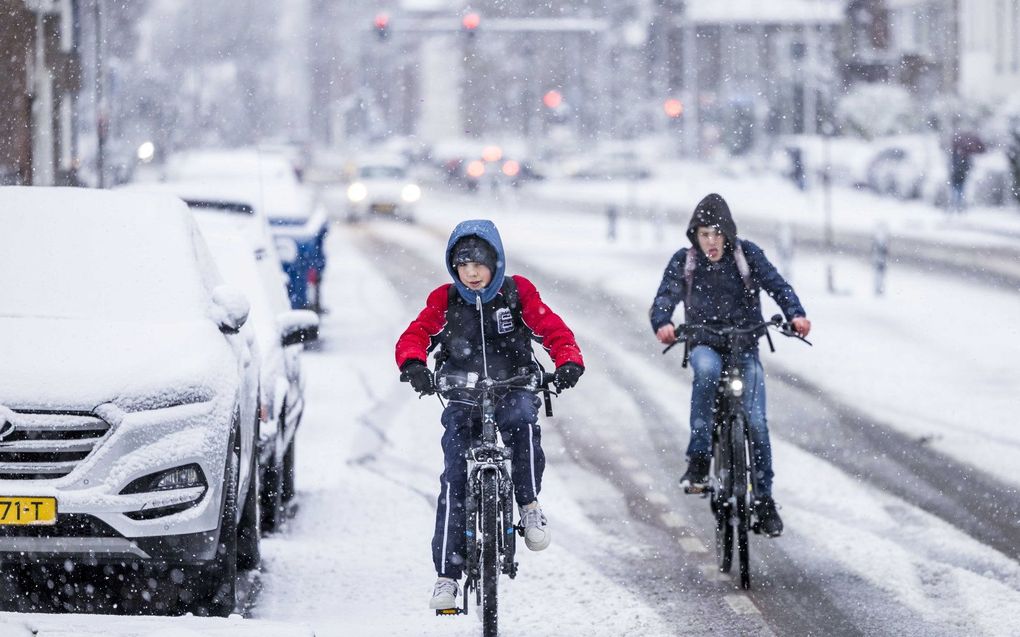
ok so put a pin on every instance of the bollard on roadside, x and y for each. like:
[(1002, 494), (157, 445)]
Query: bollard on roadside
[(612, 214), (880, 257)]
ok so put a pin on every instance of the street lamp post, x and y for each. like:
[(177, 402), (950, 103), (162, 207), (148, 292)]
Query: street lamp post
[(102, 125), (827, 131)]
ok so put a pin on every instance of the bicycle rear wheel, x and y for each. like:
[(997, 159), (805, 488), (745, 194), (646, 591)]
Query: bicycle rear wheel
[(741, 493), (723, 537), (489, 511)]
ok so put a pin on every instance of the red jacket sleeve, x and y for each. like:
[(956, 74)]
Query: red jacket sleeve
[(557, 339), (414, 342)]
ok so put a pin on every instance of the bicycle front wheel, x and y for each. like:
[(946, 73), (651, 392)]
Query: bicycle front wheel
[(489, 513), (742, 496)]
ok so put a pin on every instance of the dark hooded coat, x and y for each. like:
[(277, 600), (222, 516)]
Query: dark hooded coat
[(454, 322), (726, 292)]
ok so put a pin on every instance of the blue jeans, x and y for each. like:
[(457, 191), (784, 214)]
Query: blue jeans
[(707, 365), (517, 421)]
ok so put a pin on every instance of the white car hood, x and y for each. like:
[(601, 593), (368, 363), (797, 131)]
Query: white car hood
[(78, 364)]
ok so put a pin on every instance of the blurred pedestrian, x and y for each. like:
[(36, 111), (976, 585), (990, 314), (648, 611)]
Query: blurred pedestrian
[(962, 150)]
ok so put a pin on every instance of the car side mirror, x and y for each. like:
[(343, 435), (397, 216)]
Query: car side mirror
[(232, 308), (297, 327)]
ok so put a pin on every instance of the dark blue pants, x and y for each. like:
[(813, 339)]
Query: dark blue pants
[(707, 365), (517, 418)]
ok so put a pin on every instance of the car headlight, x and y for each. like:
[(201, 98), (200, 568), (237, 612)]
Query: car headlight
[(357, 192), (411, 193), (287, 248)]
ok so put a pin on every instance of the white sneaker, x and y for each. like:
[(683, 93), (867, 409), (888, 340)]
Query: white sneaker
[(536, 532), (444, 595)]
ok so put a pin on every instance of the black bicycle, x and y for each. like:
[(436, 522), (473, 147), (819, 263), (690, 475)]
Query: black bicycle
[(489, 504), (733, 482)]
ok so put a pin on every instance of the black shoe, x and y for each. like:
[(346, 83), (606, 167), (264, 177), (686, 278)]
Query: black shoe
[(769, 521), (695, 480)]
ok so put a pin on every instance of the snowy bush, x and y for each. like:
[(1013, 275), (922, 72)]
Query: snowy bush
[(877, 110)]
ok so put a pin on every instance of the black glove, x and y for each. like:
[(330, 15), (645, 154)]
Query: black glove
[(419, 375), (567, 375)]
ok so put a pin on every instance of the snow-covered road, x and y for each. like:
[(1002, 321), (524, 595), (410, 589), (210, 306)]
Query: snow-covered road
[(864, 551), (893, 442)]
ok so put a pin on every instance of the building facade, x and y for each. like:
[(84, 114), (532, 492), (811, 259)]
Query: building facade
[(42, 74)]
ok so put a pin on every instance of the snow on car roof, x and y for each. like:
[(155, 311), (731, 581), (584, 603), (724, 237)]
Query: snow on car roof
[(239, 163), (771, 12), (220, 205), (78, 253)]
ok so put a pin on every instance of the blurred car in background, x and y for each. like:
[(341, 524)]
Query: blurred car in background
[(610, 166), (281, 333), (382, 186), (298, 221), (129, 400), (892, 171)]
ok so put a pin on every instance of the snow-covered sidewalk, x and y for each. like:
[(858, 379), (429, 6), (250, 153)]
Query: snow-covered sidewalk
[(767, 197)]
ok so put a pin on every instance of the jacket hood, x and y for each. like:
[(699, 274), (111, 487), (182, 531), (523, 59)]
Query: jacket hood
[(712, 211), (486, 231)]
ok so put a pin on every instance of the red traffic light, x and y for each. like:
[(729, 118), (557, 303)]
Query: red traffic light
[(552, 99), (382, 23), (471, 21), (673, 107)]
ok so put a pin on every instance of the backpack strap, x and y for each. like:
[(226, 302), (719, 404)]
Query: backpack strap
[(691, 261), (510, 295)]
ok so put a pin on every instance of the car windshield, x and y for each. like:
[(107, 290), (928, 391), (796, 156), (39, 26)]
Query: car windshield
[(382, 172), (109, 267)]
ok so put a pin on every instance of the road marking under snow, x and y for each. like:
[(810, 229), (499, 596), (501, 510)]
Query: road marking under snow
[(656, 498), (692, 545), (712, 574), (627, 462), (742, 604), (643, 478), (672, 520)]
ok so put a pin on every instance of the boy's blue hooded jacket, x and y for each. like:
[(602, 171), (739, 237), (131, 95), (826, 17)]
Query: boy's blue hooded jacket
[(485, 230)]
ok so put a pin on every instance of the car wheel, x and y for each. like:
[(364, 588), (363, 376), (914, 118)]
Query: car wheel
[(219, 596), (272, 490), (289, 472)]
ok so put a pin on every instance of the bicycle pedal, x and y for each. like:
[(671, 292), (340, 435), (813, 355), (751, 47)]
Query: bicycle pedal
[(449, 612)]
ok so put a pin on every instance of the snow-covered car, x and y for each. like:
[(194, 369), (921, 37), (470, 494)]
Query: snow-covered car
[(128, 393), (615, 165), (383, 187), (222, 206), (281, 333), (298, 221)]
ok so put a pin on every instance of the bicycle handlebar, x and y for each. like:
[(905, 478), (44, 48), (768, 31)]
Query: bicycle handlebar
[(534, 382), (784, 327)]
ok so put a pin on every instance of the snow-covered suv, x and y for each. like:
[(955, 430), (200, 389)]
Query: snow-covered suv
[(128, 392)]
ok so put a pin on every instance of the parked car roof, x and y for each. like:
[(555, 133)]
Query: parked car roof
[(122, 255)]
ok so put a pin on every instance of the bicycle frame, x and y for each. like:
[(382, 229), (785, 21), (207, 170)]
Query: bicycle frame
[(487, 468), (734, 480)]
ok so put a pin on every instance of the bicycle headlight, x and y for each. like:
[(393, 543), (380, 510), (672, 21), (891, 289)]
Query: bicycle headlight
[(737, 386)]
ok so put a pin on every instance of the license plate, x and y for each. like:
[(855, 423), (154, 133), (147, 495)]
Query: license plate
[(384, 208), (27, 510)]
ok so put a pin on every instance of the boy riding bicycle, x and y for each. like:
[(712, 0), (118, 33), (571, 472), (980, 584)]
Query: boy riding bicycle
[(483, 323), (719, 280)]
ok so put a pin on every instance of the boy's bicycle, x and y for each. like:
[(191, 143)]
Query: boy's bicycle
[(489, 505), (733, 482)]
